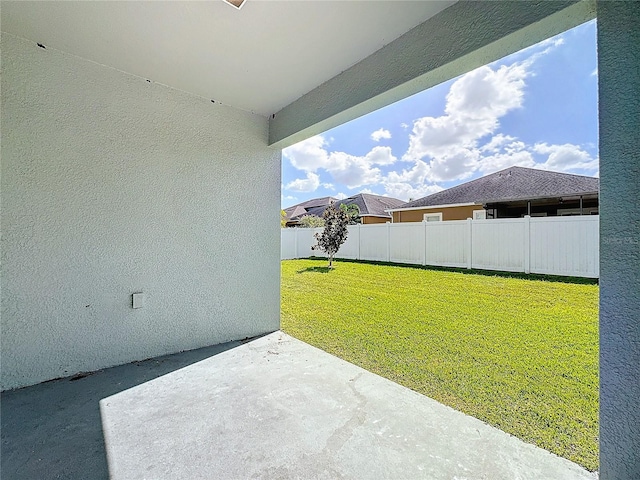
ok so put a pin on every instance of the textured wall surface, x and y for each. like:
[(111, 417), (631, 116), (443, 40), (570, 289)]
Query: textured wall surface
[(113, 185), (619, 114)]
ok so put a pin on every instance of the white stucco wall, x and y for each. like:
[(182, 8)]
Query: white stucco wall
[(113, 185)]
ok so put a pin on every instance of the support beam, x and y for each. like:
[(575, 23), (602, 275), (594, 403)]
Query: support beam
[(619, 111), (462, 37)]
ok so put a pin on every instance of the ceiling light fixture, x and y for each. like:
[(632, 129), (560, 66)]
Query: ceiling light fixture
[(235, 3)]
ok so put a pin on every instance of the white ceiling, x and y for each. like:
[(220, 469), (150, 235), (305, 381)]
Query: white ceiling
[(259, 58)]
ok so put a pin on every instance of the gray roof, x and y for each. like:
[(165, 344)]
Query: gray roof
[(296, 212), (368, 204), (513, 183)]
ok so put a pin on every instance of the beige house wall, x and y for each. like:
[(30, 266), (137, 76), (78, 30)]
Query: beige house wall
[(448, 213), (372, 220)]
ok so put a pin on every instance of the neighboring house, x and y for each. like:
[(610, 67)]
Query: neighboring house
[(373, 208), (510, 193), (310, 207)]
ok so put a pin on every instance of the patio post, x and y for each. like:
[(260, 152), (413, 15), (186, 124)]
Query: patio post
[(619, 110)]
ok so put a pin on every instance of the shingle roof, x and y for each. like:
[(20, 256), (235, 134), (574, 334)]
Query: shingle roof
[(317, 202), (514, 183), (296, 212), (368, 204)]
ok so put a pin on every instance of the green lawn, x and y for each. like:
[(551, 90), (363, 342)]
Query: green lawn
[(518, 353)]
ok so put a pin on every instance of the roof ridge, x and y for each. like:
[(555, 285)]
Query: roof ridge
[(539, 170), (366, 203)]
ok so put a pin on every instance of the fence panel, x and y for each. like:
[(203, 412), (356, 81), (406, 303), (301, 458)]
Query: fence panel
[(498, 244), (446, 243), (288, 243), (406, 243), (374, 242), (305, 241), (351, 248), (565, 246), (555, 245)]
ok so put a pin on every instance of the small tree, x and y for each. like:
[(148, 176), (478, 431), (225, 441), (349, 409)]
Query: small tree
[(353, 213), (311, 221), (334, 233), (283, 219)]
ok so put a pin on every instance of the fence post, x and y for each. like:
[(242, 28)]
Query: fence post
[(527, 244), (469, 243), (359, 236), (388, 242), (424, 249), (295, 243)]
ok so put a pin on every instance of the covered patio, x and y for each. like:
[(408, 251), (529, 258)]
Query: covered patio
[(272, 407), (139, 139)]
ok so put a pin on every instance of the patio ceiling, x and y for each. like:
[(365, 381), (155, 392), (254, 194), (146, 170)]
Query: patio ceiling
[(307, 65), (260, 58)]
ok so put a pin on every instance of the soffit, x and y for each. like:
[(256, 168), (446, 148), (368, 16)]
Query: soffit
[(259, 58)]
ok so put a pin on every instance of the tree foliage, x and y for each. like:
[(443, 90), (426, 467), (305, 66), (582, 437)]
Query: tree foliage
[(283, 219), (334, 233), (353, 213), (311, 221)]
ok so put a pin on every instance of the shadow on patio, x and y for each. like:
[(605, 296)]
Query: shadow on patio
[(53, 429), (274, 407)]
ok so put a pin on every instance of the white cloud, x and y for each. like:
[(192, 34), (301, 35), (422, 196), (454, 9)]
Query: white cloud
[(380, 134), (485, 94), (542, 48), (559, 158), (476, 102), (405, 191), (340, 196), (309, 184), (496, 142), (410, 183), (308, 155), (457, 164), (595, 72), (500, 161), (404, 125), (356, 171), (417, 174), (380, 156), (351, 170), (562, 158)]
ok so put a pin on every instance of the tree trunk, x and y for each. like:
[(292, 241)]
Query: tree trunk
[(330, 261)]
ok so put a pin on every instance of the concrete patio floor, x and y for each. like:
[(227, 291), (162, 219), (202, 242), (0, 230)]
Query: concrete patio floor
[(273, 407)]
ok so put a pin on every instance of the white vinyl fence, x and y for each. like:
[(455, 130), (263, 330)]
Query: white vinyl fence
[(547, 245)]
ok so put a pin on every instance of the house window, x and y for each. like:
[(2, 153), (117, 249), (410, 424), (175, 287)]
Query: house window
[(479, 214), (432, 217)]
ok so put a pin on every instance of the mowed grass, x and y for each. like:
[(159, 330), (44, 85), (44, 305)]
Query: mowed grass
[(518, 353)]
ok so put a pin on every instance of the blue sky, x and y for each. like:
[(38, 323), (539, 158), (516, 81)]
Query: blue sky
[(536, 108)]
